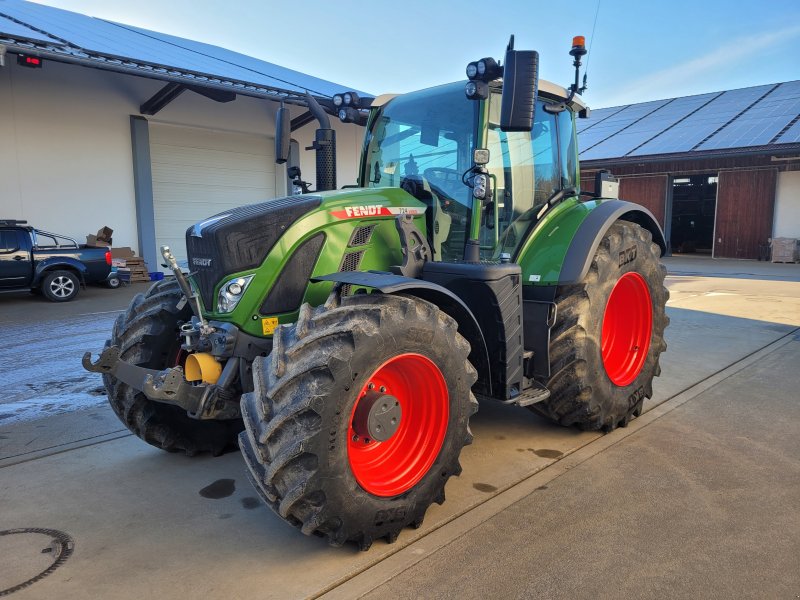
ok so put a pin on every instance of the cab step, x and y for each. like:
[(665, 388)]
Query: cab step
[(536, 393)]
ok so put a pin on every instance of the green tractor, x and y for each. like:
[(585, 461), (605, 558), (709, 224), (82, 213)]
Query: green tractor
[(343, 338)]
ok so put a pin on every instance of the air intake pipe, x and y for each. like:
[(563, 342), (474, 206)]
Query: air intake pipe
[(325, 146)]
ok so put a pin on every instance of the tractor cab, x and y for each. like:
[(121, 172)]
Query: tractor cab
[(424, 142)]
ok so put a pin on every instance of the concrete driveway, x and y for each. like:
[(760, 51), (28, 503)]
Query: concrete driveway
[(146, 522)]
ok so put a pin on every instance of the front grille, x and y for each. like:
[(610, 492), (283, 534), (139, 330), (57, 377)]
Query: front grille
[(239, 239)]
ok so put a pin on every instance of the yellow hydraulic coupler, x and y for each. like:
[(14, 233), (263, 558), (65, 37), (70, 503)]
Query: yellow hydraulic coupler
[(202, 366)]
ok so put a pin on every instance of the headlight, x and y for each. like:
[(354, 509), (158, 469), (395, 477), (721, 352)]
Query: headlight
[(481, 67), (231, 292), (348, 98), (337, 100)]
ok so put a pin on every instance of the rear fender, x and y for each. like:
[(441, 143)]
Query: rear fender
[(559, 252), (560, 248), (388, 283), (55, 264), (594, 227)]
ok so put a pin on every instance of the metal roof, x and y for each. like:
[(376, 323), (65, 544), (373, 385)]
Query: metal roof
[(67, 36), (762, 119)]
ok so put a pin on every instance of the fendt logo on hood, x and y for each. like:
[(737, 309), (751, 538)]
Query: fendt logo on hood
[(201, 262), (375, 210)]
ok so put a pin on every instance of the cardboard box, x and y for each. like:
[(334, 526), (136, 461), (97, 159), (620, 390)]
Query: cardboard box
[(104, 234), (95, 242), (122, 252)]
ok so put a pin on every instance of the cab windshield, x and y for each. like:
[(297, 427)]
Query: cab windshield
[(422, 142)]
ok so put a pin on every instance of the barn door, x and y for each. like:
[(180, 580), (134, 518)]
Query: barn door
[(745, 205)]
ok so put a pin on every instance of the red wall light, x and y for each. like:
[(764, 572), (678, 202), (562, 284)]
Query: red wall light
[(33, 62)]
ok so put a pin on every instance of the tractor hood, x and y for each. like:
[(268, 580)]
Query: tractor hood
[(240, 239)]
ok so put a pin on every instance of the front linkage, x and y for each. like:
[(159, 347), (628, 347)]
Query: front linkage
[(200, 386)]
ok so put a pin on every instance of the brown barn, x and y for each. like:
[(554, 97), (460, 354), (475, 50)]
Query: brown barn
[(721, 171)]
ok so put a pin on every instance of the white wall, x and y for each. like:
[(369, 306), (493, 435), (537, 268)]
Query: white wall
[(787, 205), (65, 144), (66, 150)]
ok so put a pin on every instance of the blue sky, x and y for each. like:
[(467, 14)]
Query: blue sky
[(641, 50)]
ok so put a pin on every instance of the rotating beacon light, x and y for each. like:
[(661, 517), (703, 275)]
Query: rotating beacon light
[(578, 51)]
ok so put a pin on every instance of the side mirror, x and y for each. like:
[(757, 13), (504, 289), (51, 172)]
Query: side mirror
[(283, 132), (520, 85)]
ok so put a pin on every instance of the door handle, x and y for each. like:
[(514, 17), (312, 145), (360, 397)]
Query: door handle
[(19, 258)]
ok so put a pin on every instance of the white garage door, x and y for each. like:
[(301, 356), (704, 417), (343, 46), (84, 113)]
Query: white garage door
[(199, 172), (787, 205)]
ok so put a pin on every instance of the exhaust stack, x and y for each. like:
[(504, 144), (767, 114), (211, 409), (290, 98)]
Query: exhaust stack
[(325, 146)]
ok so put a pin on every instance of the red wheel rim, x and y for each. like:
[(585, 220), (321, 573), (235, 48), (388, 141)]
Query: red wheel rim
[(396, 465), (627, 326)]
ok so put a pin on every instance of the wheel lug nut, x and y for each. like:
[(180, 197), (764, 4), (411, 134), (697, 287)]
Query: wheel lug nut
[(371, 386), (355, 438), (383, 388)]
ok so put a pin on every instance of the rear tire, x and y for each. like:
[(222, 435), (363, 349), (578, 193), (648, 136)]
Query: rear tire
[(60, 286), (300, 442), (601, 377), (147, 336)]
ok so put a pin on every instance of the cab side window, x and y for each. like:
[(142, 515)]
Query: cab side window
[(9, 241), (568, 148), (527, 167)]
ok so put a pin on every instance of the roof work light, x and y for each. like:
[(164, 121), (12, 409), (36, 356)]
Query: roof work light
[(480, 73), (348, 107)]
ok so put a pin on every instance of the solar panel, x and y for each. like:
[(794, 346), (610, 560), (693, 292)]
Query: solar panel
[(16, 31), (648, 127), (791, 135), (141, 45), (698, 126), (762, 122), (597, 116), (252, 69), (614, 123)]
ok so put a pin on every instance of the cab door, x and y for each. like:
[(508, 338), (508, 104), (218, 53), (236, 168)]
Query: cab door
[(16, 269)]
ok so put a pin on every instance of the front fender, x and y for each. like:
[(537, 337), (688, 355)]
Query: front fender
[(53, 264), (468, 327)]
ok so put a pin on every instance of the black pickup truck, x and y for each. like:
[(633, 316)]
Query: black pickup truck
[(31, 259)]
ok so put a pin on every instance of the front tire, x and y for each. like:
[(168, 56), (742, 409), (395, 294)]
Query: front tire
[(307, 440), (609, 334), (147, 336)]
